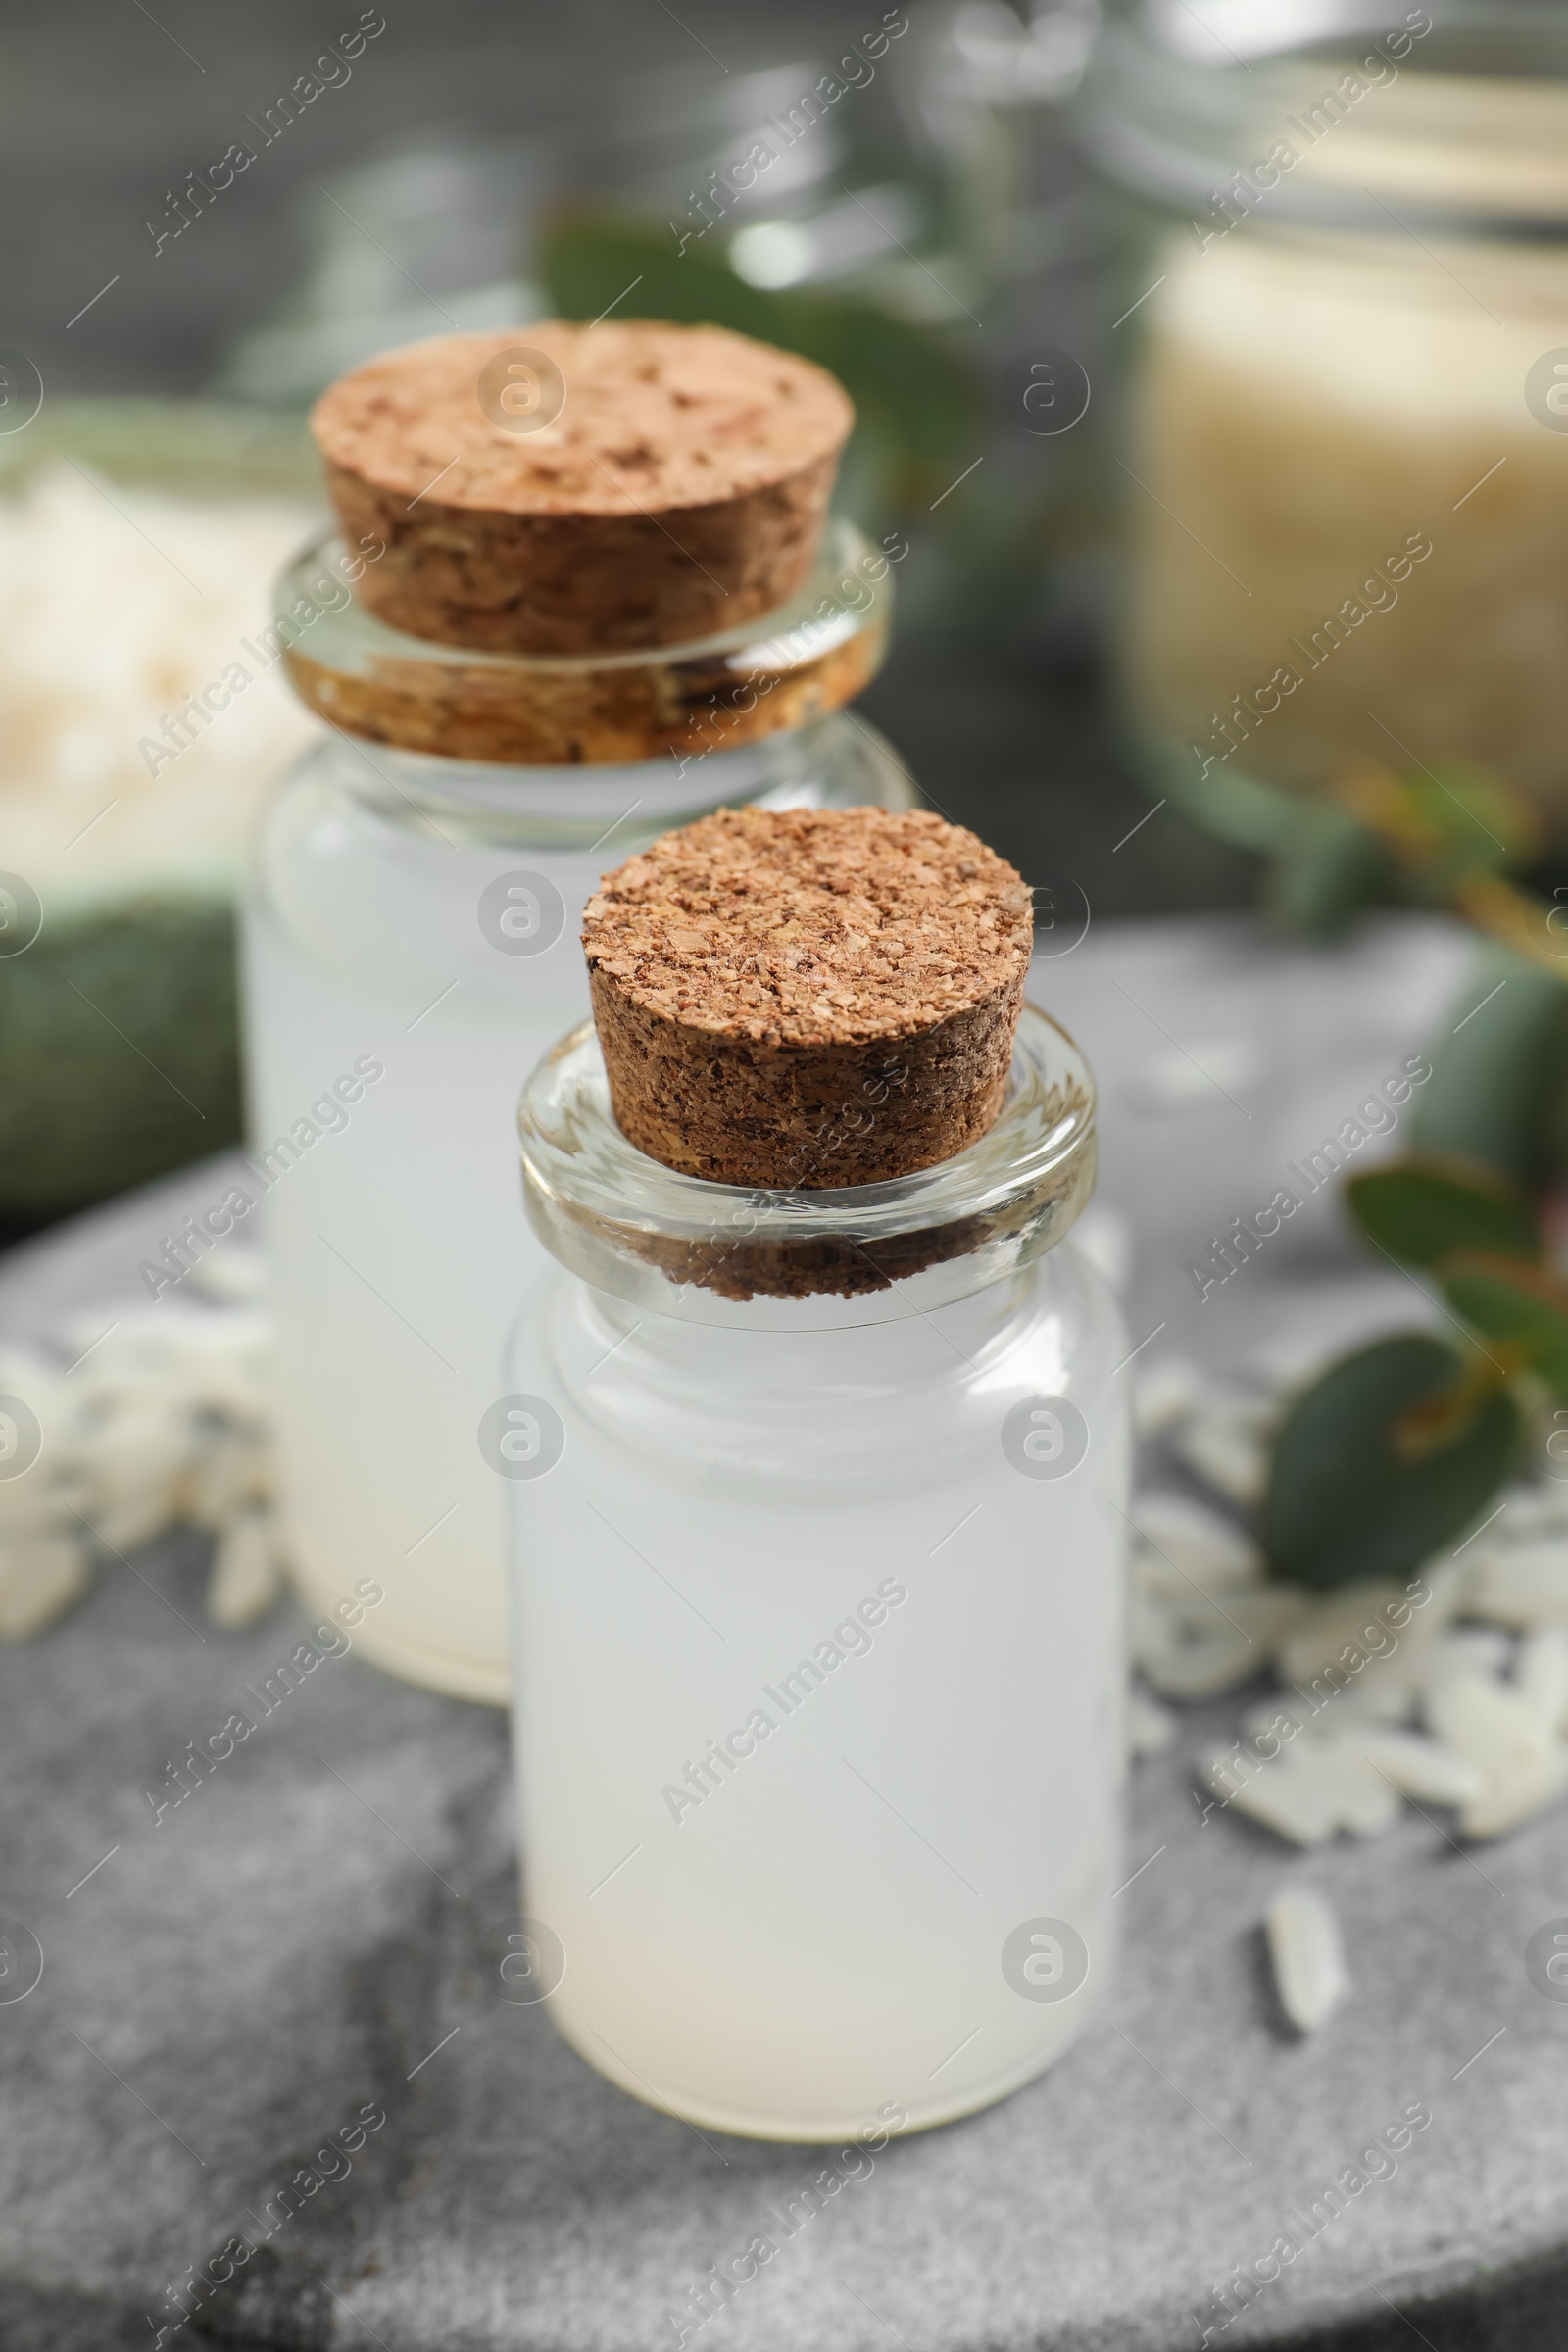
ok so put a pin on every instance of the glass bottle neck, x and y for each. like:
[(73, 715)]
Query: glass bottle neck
[(824, 1259), (575, 809), (756, 1355)]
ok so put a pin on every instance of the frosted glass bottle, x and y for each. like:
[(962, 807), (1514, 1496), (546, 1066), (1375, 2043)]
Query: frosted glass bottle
[(819, 1683), (410, 951)]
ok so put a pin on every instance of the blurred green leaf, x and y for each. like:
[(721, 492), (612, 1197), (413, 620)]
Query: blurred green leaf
[(1499, 1075), (1420, 1209), (1326, 869), (1368, 837), (1475, 825), (1325, 866), (913, 400), (1518, 1307), (1227, 802), (589, 258), (1449, 832), (1390, 1455)]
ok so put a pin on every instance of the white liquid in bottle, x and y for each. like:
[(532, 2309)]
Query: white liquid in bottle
[(380, 931), (820, 1676)]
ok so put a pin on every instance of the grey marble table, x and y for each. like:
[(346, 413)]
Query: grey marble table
[(302, 1944)]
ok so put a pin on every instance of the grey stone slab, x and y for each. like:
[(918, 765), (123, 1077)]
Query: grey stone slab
[(302, 1938)]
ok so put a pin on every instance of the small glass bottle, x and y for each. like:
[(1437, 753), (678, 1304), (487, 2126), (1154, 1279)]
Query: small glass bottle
[(818, 1531), (410, 942)]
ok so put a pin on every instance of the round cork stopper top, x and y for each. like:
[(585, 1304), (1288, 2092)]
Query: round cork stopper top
[(811, 927), (654, 418)]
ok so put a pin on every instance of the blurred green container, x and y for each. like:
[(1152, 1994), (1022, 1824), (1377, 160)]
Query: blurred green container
[(119, 1031)]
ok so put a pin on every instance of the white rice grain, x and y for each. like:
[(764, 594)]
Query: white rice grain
[(40, 1578), (1541, 1673), (1187, 1542), (1308, 1954), (1164, 1397), (245, 1579), (1228, 1447), (1523, 1584)]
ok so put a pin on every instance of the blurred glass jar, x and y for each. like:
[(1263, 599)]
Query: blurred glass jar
[(760, 1443), (1346, 469), (411, 951), (807, 168)]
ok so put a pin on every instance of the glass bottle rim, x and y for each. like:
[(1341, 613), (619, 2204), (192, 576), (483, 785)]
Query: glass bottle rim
[(798, 664), (728, 1254)]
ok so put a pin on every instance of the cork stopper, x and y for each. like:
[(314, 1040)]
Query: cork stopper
[(636, 485), (808, 999)]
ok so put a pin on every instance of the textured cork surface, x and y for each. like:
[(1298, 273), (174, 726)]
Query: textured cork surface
[(802, 999), (677, 490)]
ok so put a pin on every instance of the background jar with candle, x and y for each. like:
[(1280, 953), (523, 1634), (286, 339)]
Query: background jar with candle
[(817, 1516), (1345, 438), (410, 930)]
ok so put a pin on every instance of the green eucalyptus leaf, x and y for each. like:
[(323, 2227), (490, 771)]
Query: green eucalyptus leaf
[(1323, 865), (587, 258), (1226, 800), (1522, 1309), (1390, 1455), (1423, 1207), (901, 378), (1478, 826), (1499, 1075), (1329, 869)]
